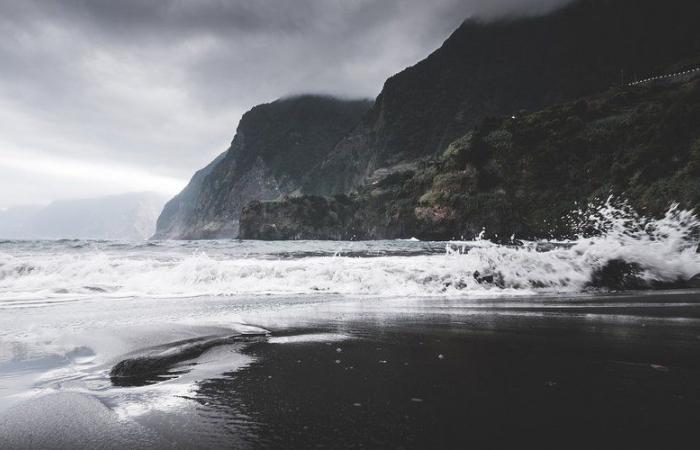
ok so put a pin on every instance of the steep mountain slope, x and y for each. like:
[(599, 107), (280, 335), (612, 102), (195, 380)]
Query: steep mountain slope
[(275, 146), (382, 163), (127, 216), (178, 209), (519, 175), (501, 67)]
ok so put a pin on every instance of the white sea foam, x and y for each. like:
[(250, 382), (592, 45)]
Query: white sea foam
[(663, 249)]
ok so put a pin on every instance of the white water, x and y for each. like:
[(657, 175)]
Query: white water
[(35, 272)]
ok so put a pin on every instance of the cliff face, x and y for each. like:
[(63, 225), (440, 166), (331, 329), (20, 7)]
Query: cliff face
[(275, 145), (518, 175), (429, 160), (174, 219), (499, 68)]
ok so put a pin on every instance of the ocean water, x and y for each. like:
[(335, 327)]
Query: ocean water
[(72, 309), (37, 273)]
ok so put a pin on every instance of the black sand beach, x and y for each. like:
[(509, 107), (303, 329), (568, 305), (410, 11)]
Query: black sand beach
[(549, 380), (615, 372)]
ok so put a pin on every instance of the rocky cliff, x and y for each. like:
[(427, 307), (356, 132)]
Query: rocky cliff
[(276, 144), (449, 145), (518, 174), (175, 218), (501, 67)]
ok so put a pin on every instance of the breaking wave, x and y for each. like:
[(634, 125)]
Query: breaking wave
[(652, 251)]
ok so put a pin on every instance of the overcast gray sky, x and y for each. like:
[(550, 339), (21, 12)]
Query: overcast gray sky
[(102, 96)]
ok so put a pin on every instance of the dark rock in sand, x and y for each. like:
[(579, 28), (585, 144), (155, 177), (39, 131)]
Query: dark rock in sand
[(617, 274), (694, 281), (620, 275), (156, 364), (491, 278)]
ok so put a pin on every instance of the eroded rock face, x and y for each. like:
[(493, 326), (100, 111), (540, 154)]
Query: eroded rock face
[(174, 220), (521, 175), (498, 68), (308, 217), (275, 146)]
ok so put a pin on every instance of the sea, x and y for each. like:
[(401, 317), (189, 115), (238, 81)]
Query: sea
[(72, 310)]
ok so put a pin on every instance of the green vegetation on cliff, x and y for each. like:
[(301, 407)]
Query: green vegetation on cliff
[(522, 174), (496, 68)]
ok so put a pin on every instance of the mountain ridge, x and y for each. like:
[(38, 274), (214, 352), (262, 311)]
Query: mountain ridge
[(518, 175), (502, 66), (274, 146)]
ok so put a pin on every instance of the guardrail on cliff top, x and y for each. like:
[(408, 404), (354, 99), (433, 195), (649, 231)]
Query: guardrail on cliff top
[(669, 78)]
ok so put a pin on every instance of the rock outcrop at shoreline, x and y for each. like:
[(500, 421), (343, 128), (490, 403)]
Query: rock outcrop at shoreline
[(274, 147)]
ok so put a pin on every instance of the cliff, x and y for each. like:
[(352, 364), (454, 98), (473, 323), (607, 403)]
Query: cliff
[(275, 145), (174, 219), (518, 175), (452, 144), (500, 67)]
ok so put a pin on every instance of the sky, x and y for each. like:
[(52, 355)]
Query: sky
[(100, 97)]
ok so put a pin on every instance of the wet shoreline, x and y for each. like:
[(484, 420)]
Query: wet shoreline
[(489, 382), (586, 372)]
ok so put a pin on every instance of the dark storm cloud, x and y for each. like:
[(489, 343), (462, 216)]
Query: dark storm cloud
[(158, 86), (127, 20)]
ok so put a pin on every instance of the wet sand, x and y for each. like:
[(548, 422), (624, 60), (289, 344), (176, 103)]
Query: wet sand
[(622, 372), (488, 382)]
